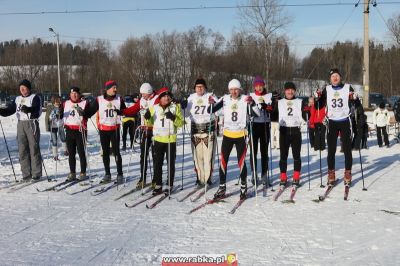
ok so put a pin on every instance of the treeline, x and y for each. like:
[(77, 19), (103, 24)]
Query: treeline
[(176, 59), (348, 56), (172, 59)]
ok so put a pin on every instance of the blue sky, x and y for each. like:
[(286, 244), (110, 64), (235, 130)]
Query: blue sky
[(311, 25)]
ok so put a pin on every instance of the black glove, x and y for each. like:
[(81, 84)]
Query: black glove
[(25, 109), (170, 116), (184, 104), (79, 110), (147, 115), (119, 112)]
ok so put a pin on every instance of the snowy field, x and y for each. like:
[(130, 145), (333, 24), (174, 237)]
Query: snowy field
[(55, 228)]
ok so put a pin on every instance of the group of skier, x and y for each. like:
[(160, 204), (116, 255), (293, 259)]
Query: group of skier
[(247, 121)]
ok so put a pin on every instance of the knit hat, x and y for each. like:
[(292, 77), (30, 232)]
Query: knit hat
[(382, 105), (200, 81), (289, 85), (75, 89), (25, 83), (109, 84), (333, 71), (164, 91), (234, 84), (258, 81), (146, 88)]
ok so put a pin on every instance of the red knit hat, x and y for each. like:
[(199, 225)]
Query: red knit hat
[(164, 91), (109, 84)]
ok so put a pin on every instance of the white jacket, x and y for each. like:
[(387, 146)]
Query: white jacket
[(381, 117)]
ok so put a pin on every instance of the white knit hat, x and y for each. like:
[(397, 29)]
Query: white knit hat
[(146, 88), (234, 84)]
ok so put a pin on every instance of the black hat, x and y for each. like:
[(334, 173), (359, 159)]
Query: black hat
[(25, 83), (75, 89), (200, 81), (289, 85), (333, 71), (382, 105)]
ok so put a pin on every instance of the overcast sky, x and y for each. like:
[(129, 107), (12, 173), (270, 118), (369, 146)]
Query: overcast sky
[(311, 26)]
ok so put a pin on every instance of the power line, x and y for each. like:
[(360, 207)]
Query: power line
[(202, 7)]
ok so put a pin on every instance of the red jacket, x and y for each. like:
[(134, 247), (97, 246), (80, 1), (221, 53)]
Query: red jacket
[(317, 116)]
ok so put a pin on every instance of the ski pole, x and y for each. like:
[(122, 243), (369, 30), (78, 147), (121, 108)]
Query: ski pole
[(308, 153), (183, 148), (169, 159), (144, 157), (209, 140), (270, 156), (319, 148), (8, 151), (252, 155)]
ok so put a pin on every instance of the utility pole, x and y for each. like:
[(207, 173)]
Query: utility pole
[(366, 55)]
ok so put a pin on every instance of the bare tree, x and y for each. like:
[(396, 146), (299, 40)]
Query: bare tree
[(266, 18), (394, 27)]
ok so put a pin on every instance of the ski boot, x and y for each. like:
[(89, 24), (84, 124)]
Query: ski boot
[(153, 185), (140, 184), (157, 190), (26, 178), (296, 179), (106, 179), (331, 178), (120, 179), (71, 177), (82, 176), (347, 178), (283, 182), (220, 192), (35, 178), (209, 182), (243, 191), (168, 189)]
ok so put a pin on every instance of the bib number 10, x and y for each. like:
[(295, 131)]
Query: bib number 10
[(109, 112)]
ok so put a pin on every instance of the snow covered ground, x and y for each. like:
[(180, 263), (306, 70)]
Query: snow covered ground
[(53, 228)]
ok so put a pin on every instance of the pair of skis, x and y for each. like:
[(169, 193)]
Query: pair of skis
[(328, 191), (291, 197), (164, 195)]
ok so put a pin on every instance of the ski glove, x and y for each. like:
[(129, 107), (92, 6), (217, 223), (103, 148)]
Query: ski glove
[(147, 115), (25, 109), (79, 110), (117, 111), (269, 108), (184, 104), (317, 93), (249, 100), (211, 100), (170, 116)]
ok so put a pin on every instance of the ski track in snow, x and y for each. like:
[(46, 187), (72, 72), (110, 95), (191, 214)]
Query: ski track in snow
[(53, 228)]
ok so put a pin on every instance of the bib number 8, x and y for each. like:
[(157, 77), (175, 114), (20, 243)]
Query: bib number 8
[(234, 116)]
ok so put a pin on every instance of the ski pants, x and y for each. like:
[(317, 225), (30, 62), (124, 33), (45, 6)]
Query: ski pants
[(76, 140), (145, 145), (319, 138), (128, 127), (203, 153), (226, 148), (260, 134), (160, 152), (28, 137), (57, 133), (290, 137), (275, 135), (107, 137), (344, 127), (379, 132)]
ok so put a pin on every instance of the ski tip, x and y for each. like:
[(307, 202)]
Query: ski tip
[(126, 205), (316, 200), (288, 201)]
